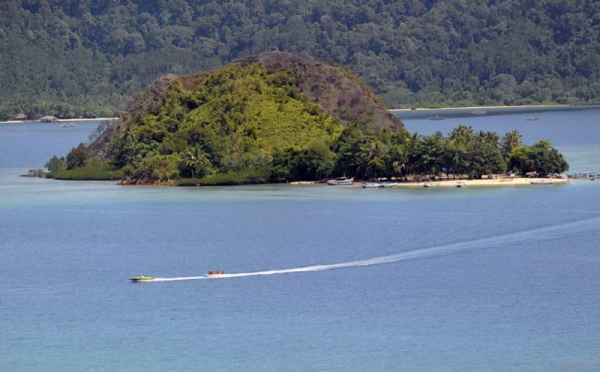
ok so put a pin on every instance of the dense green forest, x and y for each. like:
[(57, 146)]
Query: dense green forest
[(91, 57)]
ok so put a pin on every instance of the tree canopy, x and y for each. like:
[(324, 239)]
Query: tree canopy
[(90, 57)]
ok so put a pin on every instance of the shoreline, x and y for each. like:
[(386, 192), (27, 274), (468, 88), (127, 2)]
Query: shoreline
[(482, 108), (494, 182), (475, 108), (57, 122)]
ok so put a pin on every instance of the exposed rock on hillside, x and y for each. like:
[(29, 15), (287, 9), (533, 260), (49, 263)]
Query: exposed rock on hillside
[(336, 89)]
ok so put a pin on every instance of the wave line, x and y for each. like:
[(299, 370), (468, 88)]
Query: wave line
[(529, 236)]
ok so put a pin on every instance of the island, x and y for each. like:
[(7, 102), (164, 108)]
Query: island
[(277, 117)]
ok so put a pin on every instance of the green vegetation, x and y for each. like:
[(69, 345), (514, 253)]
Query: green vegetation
[(89, 172), (247, 177), (227, 128), (463, 153), (89, 58), (81, 167), (540, 158), (4, 115), (251, 122)]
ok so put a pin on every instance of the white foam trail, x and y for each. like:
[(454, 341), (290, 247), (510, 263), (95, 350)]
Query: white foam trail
[(524, 237)]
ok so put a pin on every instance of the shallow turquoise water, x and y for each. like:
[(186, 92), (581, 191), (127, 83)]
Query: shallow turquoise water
[(501, 279)]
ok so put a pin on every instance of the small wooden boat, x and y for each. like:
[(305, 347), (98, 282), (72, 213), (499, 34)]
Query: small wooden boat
[(541, 182), (372, 185), (341, 182)]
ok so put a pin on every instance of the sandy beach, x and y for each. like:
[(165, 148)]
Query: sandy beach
[(59, 121), (492, 182), (495, 182)]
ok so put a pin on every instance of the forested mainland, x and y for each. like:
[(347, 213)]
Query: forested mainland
[(277, 117), (90, 58)]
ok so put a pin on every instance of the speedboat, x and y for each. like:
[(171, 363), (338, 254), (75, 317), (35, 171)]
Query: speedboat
[(216, 273), (142, 278)]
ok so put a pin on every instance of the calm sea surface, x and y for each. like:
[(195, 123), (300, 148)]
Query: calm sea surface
[(331, 278)]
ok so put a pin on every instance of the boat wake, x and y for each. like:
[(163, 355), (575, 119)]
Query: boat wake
[(522, 238)]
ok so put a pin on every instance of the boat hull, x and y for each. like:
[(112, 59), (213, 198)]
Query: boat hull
[(345, 182), (141, 278)]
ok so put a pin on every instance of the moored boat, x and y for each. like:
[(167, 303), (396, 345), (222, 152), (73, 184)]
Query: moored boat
[(141, 278), (461, 184), (437, 117), (341, 182), (541, 182), (372, 185), (431, 184)]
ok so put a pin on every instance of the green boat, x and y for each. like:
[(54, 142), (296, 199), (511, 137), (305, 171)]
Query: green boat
[(141, 278)]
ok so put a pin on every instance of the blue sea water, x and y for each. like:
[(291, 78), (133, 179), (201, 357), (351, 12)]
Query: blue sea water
[(488, 279)]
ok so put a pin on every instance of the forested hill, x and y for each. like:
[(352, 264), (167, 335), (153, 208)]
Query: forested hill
[(90, 57)]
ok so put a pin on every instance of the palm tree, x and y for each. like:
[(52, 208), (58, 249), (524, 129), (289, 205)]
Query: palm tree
[(376, 156), (399, 157), (414, 146), (130, 137), (194, 159), (462, 134), (456, 157), (361, 160), (510, 141), (491, 138)]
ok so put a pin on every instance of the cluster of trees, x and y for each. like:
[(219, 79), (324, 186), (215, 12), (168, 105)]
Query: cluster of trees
[(463, 153), (89, 57)]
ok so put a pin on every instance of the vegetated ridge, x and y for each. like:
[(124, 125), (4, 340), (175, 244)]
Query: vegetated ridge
[(275, 116), (90, 57)]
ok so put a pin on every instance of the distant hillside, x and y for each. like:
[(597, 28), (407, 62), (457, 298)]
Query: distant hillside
[(271, 113), (90, 58)]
